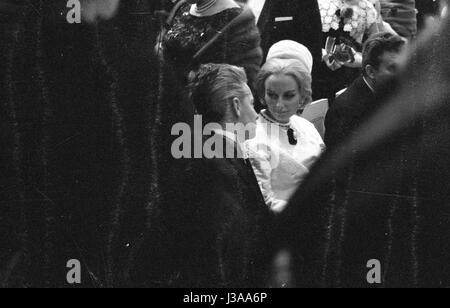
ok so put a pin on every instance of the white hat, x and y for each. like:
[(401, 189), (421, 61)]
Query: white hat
[(291, 50)]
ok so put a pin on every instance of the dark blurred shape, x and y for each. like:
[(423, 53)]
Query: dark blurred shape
[(401, 15), (358, 102), (427, 8), (91, 10), (10, 10), (78, 140), (395, 206)]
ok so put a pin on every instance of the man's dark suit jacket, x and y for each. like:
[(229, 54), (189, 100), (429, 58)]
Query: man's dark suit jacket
[(348, 112), (219, 228)]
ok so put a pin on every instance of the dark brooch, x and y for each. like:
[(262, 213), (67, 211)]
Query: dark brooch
[(291, 136)]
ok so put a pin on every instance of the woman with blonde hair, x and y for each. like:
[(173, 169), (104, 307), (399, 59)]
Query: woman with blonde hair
[(286, 145)]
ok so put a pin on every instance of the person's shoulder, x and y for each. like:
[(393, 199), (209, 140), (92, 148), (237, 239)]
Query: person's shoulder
[(181, 8), (342, 107), (260, 146), (351, 95), (327, 4), (343, 104), (345, 97), (242, 16), (242, 28), (301, 124), (232, 12), (167, 4), (307, 3), (210, 170)]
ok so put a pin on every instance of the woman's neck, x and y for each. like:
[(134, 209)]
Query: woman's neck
[(211, 7), (271, 118)]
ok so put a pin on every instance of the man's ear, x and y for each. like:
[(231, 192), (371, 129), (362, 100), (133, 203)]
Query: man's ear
[(370, 71), (236, 107), (262, 101)]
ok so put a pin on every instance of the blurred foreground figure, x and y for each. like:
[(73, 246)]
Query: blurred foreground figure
[(77, 143), (93, 10), (396, 206), (402, 15), (216, 225)]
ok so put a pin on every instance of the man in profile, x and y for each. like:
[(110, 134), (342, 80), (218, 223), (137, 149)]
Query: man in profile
[(381, 60), (219, 225)]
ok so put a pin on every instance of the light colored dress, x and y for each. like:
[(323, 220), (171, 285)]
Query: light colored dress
[(280, 166)]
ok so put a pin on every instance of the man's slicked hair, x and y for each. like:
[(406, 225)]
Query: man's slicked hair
[(377, 45), (212, 87)]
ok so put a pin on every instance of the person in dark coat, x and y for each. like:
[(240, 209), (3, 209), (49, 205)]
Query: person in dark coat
[(291, 20), (77, 142), (381, 57), (222, 225), (224, 32), (396, 207), (216, 224)]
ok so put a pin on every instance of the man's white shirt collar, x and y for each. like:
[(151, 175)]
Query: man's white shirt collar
[(368, 84)]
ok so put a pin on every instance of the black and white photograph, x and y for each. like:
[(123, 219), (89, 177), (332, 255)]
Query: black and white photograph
[(226, 151)]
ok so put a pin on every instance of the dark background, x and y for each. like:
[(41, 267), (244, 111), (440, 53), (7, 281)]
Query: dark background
[(80, 130)]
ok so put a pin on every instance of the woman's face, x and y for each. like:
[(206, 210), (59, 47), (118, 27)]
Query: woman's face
[(282, 97)]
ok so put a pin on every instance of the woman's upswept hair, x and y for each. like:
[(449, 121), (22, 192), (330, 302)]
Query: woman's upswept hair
[(288, 67), (212, 86)]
